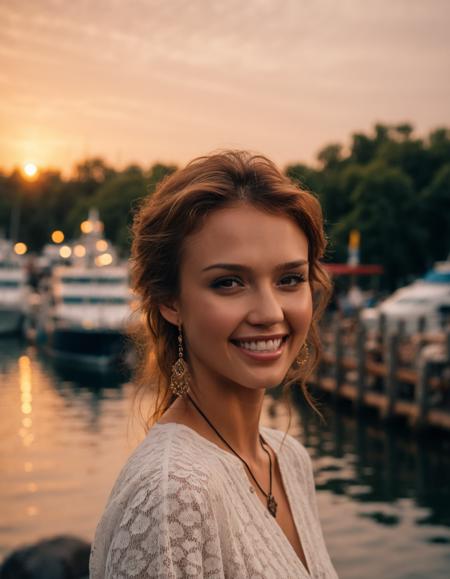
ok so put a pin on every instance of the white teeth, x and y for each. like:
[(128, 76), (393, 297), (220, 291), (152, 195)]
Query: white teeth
[(262, 345)]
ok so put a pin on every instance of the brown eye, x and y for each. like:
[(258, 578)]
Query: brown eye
[(292, 280), (226, 283)]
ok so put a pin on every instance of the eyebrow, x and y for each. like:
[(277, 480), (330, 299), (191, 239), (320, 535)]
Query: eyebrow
[(239, 267)]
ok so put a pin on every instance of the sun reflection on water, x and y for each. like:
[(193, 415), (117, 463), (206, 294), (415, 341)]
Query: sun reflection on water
[(25, 432)]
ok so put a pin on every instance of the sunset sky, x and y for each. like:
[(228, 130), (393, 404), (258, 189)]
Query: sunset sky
[(166, 80)]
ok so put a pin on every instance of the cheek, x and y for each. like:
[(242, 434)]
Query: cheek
[(301, 312), (210, 319)]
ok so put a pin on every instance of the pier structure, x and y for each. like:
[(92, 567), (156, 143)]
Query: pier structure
[(399, 374)]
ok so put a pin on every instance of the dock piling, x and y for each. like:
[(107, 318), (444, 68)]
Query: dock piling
[(422, 390), (339, 354), (360, 364), (392, 341)]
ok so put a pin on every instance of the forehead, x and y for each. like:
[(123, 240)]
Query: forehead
[(245, 235)]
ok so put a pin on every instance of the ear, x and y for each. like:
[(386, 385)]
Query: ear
[(170, 312)]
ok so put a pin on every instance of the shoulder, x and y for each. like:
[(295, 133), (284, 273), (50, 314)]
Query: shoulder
[(169, 458), (160, 501), (172, 470)]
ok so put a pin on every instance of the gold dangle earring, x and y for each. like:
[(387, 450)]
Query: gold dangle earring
[(180, 378), (303, 356)]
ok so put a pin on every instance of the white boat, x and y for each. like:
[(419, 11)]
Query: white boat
[(89, 312), (88, 306), (14, 290), (426, 301)]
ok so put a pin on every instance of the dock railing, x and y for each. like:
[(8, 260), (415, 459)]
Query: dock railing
[(386, 368)]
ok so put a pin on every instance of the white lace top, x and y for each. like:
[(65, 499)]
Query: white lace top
[(182, 507)]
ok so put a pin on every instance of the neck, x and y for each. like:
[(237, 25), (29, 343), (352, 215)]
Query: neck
[(233, 411)]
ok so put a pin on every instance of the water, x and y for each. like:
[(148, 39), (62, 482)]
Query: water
[(383, 494)]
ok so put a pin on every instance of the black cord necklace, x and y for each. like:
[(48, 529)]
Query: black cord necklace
[(271, 502)]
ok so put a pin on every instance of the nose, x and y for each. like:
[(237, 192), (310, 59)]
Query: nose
[(265, 308)]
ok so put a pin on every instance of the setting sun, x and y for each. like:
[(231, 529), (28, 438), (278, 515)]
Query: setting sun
[(30, 169)]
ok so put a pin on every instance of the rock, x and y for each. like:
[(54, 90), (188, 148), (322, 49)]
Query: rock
[(62, 557)]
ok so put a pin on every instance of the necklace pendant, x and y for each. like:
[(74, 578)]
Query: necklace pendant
[(272, 505)]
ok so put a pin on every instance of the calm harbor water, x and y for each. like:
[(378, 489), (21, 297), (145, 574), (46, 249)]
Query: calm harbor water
[(383, 494)]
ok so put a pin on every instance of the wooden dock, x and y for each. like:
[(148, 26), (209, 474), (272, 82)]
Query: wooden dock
[(397, 374)]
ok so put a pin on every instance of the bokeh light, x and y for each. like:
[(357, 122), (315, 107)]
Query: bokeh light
[(101, 245), (104, 259), (65, 251), (57, 236), (79, 250), (20, 248), (86, 226)]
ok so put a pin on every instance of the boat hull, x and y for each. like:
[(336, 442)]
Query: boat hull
[(11, 321), (88, 349)]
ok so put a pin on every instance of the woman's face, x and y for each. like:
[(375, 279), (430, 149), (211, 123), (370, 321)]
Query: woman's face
[(245, 301)]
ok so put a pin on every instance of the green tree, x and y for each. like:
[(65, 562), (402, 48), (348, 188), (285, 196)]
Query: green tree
[(404, 130), (330, 156), (390, 185), (40, 212), (382, 134), (411, 157), (436, 214), (90, 174), (385, 214), (8, 193), (306, 177), (439, 148), (116, 200), (157, 173), (363, 149)]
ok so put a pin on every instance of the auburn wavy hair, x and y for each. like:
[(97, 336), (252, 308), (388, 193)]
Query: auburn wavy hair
[(179, 206)]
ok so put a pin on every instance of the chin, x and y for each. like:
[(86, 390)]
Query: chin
[(265, 384)]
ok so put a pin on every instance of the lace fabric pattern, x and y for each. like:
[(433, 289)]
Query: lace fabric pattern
[(182, 508)]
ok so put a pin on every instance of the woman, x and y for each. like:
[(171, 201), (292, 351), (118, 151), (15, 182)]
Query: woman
[(225, 261)]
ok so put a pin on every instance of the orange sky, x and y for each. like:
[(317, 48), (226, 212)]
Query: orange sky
[(146, 80)]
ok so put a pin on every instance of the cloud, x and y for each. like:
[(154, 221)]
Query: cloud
[(257, 68)]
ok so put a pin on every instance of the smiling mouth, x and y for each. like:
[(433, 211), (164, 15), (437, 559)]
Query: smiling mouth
[(261, 346)]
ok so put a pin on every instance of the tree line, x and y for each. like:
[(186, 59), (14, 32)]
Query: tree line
[(389, 184)]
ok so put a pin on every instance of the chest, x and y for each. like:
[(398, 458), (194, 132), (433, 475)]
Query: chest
[(284, 515)]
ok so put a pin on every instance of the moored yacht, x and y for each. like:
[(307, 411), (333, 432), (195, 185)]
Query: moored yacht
[(88, 305), (14, 290)]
